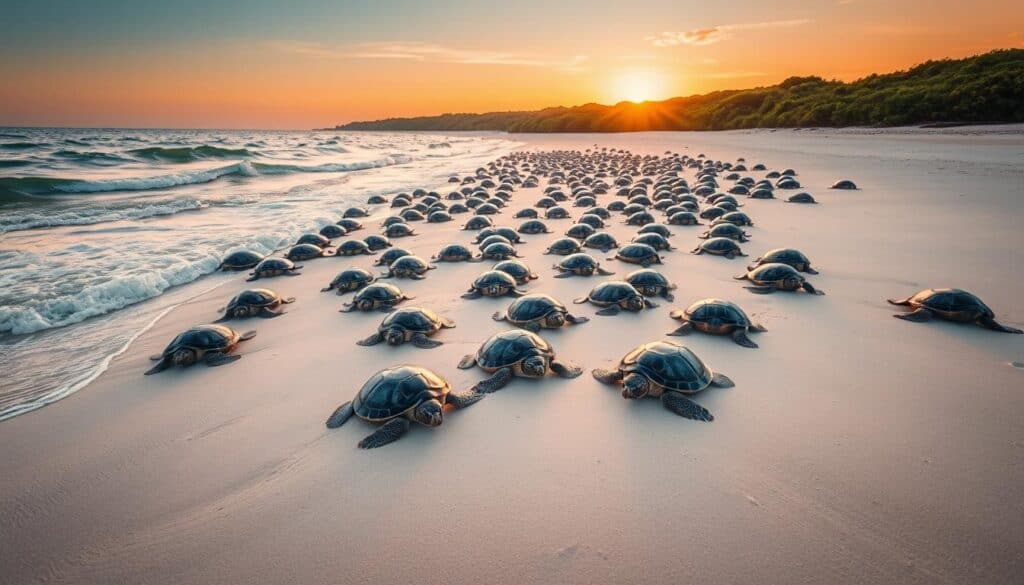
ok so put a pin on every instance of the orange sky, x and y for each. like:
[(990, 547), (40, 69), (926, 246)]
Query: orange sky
[(320, 63)]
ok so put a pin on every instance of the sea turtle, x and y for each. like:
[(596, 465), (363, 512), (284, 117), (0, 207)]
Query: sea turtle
[(274, 267), (529, 212), (656, 241), (493, 283), (376, 200), (533, 226), (355, 212), (640, 218), (616, 295), (556, 212), (389, 256), (478, 222), (845, 184), (719, 247), (380, 296), (725, 230), (516, 269), (656, 228), (314, 239), (409, 266), (563, 247), (774, 276), (581, 264), (499, 251), (601, 241), (735, 217), (333, 231), (455, 253), (255, 302), (713, 212), (515, 353), (399, 230), (951, 304), (349, 280), (641, 254), (801, 198), (392, 220), (375, 242), (579, 231), (716, 317), (395, 397), (240, 260), (353, 248), (791, 256), (412, 324), (412, 214), (210, 344), (684, 218), (651, 283), (537, 311), (302, 252), (666, 370), (350, 224)]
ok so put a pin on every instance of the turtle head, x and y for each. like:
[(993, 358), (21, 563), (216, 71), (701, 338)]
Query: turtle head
[(430, 413), (635, 386), (241, 312), (183, 357), (364, 304), (535, 366), (493, 290), (635, 303), (555, 320), (394, 336)]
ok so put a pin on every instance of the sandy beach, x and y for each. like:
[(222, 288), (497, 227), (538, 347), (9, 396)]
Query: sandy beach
[(855, 448)]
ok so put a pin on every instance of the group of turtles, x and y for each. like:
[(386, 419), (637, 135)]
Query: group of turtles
[(640, 187)]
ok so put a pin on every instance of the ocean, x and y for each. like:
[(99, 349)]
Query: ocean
[(102, 232)]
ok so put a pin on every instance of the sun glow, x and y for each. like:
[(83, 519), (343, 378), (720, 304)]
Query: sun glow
[(638, 86)]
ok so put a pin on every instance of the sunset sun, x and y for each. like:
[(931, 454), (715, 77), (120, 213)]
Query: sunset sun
[(638, 86)]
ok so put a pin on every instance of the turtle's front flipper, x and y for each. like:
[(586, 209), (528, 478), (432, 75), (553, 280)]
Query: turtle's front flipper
[(339, 416), (668, 296), (267, 313), (761, 290), (467, 361), (684, 407), (810, 270), (473, 294), (742, 276), (417, 276), (516, 292), (576, 320), (684, 329), (580, 300), (288, 300), (421, 341), (903, 303), (740, 337), (608, 311), (650, 304), (389, 433), (810, 288), (613, 376), (160, 366), (219, 359), (371, 340), (463, 399), (722, 381), (919, 316), (603, 272), (566, 370), (990, 323), (498, 316), (564, 275), (247, 335), (499, 380), (347, 308)]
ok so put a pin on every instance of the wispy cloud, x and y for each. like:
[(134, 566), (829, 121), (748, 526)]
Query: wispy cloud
[(714, 34), (419, 51)]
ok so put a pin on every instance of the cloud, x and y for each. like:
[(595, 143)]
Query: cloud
[(714, 34), (420, 51)]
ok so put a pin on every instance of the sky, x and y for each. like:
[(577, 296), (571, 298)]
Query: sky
[(315, 63)]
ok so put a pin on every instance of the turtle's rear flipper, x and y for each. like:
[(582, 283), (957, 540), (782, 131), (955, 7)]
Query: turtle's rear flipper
[(499, 380), (339, 416), (270, 314), (742, 276), (684, 329), (566, 370), (761, 290), (325, 289), (389, 433), (990, 323), (247, 335), (608, 311), (160, 366), (740, 337), (607, 376), (919, 316), (463, 399), (421, 341), (347, 308), (219, 359), (371, 340), (685, 407)]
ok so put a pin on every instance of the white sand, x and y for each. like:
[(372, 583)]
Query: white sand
[(855, 448)]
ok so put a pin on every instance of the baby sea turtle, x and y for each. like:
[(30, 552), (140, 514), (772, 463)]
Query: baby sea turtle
[(736, 217), (274, 267), (333, 231), (774, 276), (801, 198), (455, 253), (412, 324), (529, 212), (349, 280), (537, 311), (375, 242), (517, 270), (240, 260), (255, 302), (719, 247), (641, 254), (478, 222), (350, 224), (668, 371), (579, 231), (563, 247), (210, 344), (845, 184), (380, 296), (601, 241), (579, 264), (302, 252), (515, 353), (640, 218), (389, 256), (726, 230), (315, 239), (616, 295), (409, 266), (533, 226), (355, 212), (353, 248), (651, 283), (397, 396), (493, 283), (399, 230), (684, 218), (656, 241), (556, 212), (499, 251), (656, 228), (791, 256), (716, 317), (951, 304)]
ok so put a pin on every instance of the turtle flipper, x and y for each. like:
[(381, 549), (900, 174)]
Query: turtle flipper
[(163, 364), (390, 432), (919, 316), (607, 376), (247, 335), (340, 415), (604, 272), (417, 276), (463, 399), (761, 290), (467, 361), (515, 292), (499, 316), (532, 326), (742, 276), (904, 303), (293, 272), (473, 294), (347, 308), (668, 296), (580, 300), (371, 340), (608, 311), (576, 320), (990, 323), (721, 380), (757, 328), (267, 313), (496, 382), (564, 275), (684, 407), (810, 288), (684, 329), (219, 359), (566, 370), (421, 341), (287, 300), (648, 303), (740, 337), (810, 270)]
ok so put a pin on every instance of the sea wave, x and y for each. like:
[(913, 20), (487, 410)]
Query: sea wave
[(12, 222), (189, 153)]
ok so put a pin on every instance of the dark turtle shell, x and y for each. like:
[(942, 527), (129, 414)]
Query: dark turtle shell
[(350, 224), (951, 300), (736, 217), (409, 264), (477, 222), (638, 253), (601, 212), (713, 213), (398, 230), (304, 252), (615, 206), (791, 256), (253, 297), (640, 218), (415, 319), (203, 338), (494, 278), (844, 184), (516, 269), (454, 253), (509, 234), (241, 260), (684, 218), (532, 307), (352, 248), (601, 241), (510, 347), (533, 226), (545, 203), (717, 313), (669, 365), (720, 246), (439, 216), (332, 231), (592, 220), (351, 279), (391, 255), (563, 246), (273, 264), (801, 198), (375, 242), (412, 215), (726, 230), (579, 231), (556, 213), (498, 251), (487, 209), (458, 208), (493, 239), (656, 228), (578, 261), (648, 281), (379, 291), (314, 239), (612, 291), (529, 212), (395, 391), (376, 200), (355, 212), (656, 241), (401, 201), (773, 273)]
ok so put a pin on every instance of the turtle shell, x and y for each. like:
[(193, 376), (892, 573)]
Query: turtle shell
[(526, 213), (640, 218), (332, 231), (556, 213), (393, 392), (398, 230), (843, 184), (493, 239), (387, 258), (719, 245), (350, 224), (791, 256), (509, 234), (304, 252), (314, 239), (375, 242), (656, 228), (498, 251), (801, 198), (717, 313), (379, 291), (669, 365), (726, 230), (494, 277), (412, 215), (578, 261), (684, 218), (951, 300), (774, 272), (409, 263), (533, 226), (352, 278), (272, 264), (516, 269), (637, 252), (736, 217), (254, 297), (592, 220), (477, 222), (601, 212), (533, 306), (601, 240), (415, 319), (241, 260), (656, 241), (487, 209), (612, 291), (203, 338), (579, 231), (510, 347), (454, 252), (564, 246), (352, 247), (647, 278)]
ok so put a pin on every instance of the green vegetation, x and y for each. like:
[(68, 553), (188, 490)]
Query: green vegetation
[(981, 89)]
